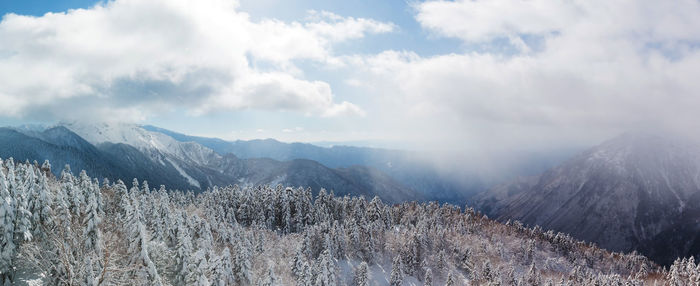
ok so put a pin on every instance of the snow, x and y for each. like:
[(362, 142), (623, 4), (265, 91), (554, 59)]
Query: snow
[(149, 142), (182, 172), (279, 180)]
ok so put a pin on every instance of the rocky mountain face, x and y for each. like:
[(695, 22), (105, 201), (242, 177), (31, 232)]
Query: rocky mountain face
[(635, 192), (125, 151)]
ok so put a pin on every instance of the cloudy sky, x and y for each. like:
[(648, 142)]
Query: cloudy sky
[(460, 75)]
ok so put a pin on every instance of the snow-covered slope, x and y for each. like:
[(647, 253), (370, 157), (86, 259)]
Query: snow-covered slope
[(620, 194), (151, 143)]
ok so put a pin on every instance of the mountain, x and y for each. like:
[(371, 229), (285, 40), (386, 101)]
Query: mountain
[(62, 147), (127, 151), (634, 192), (441, 179)]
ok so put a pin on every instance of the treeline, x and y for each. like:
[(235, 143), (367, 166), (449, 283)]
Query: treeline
[(74, 230)]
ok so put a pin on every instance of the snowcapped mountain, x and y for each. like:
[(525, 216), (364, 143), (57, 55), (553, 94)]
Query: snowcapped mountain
[(155, 144), (623, 194), (127, 151)]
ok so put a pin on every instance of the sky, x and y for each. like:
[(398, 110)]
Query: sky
[(459, 75)]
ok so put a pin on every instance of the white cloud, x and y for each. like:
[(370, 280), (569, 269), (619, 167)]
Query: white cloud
[(293, 130), (337, 28), (481, 20), (485, 20), (344, 109), (142, 56), (603, 67)]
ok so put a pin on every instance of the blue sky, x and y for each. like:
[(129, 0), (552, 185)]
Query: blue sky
[(41, 7), (457, 75)]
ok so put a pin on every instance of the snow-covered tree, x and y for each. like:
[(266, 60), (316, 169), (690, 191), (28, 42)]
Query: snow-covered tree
[(269, 279), (144, 268), (325, 270), (197, 270), (450, 281), (92, 221), (428, 279), (241, 263), (297, 263), (533, 276), (41, 206), (7, 227), (223, 270), (305, 277), (396, 277), (362, 275), (281, 236)]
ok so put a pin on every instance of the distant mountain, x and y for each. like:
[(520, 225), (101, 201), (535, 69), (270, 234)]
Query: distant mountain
[(414, 169), (126, 151), (62, 147), (635, 192)]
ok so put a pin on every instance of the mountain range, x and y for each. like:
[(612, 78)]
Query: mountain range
[(161, 156), (413, 169), (635, 192), (126, 151)]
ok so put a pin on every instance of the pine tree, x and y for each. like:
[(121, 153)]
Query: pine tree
[(23, 217), (533, 276), (269, 279), (223, 270), (362, 275), (509, 278), (428, 280), (241, 263), (396, 277), (183, 252), (92, 233), (89, 277), (486, 272), (325, 269), (305, 277), (442, 265), (674, 276), (298, 262), (80, 193), (530, 252), (7, 227), (197, 273), (72, 195), (140, 260), (450, 280), (41, 207)]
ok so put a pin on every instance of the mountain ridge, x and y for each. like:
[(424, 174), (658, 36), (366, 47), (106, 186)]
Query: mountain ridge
[(620, 194), (127, 151)]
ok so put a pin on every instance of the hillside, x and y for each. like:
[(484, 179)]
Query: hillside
[(634, 192), (72, 230)]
